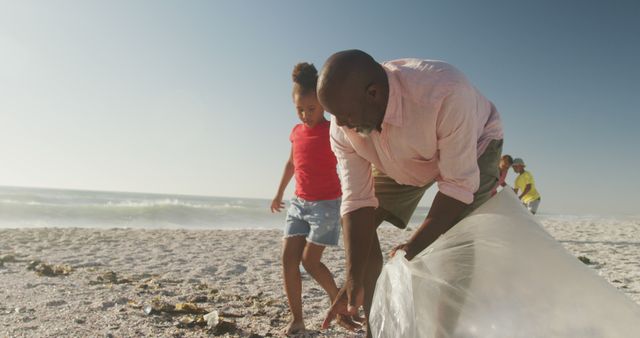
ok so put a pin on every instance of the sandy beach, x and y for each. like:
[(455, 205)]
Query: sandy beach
[(107, 277)]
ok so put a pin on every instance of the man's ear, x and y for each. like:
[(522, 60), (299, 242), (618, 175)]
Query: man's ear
[(373, 91)]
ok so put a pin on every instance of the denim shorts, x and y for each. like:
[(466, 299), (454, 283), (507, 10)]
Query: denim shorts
[(319, 221)]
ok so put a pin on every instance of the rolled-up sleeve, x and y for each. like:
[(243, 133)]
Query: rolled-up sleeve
[(355, 173), (457, 144)]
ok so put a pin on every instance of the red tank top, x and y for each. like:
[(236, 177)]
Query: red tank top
[(314, 162)]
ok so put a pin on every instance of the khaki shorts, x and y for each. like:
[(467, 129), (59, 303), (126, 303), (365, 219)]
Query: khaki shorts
[(398, 201)]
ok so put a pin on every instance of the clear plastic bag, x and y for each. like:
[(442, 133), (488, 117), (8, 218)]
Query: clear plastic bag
[(498, 273)]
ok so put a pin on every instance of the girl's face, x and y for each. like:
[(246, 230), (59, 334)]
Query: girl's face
[(504, 164), (309, 109)]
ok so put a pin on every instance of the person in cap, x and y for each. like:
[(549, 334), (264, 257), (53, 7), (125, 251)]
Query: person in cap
[(525, 186)]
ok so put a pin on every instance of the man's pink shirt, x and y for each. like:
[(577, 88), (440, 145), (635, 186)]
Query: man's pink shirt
[(435, 127)]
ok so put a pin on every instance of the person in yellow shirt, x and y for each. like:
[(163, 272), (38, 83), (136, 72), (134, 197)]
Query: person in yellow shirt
[(524, 182)]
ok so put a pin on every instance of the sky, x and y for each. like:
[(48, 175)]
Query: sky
[(194, 97)]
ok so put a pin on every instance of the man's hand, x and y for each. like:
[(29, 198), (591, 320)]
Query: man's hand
[(358, 230), (347, 303), (277, 205), (406, 247)]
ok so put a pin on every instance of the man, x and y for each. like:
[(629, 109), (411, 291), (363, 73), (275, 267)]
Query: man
[(524, 182), (397, 128)]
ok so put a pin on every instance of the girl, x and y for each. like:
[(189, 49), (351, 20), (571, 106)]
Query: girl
[(504, 165), (313, 218)]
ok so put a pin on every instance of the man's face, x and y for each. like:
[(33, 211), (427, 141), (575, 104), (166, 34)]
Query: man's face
[(518, 168), (354, 109)]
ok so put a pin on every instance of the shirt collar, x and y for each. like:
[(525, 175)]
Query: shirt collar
[(393, 113)]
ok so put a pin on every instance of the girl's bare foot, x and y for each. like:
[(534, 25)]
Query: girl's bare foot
[(293, 328), (360, 320), (351, 323)]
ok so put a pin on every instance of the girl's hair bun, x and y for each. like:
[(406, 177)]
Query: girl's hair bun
[(305, 76)]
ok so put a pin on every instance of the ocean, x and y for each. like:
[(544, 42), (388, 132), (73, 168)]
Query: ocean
[(35, 207), (39, 207)]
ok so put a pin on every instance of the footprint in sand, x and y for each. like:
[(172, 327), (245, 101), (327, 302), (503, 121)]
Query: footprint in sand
[(237, 269), (55, 303), (209, 270)]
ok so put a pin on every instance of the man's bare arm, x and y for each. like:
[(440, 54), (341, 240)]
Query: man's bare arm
[(444, 213), (358, 230)]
